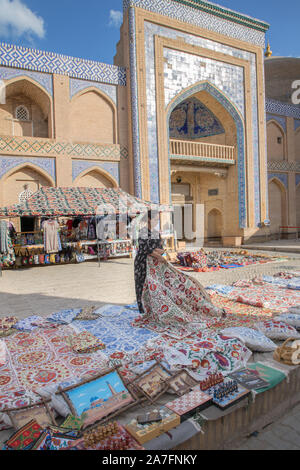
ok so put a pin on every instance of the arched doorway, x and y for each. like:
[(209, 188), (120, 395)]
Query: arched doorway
[(95, 178), (214, 224), (19, 183), (277, 206)]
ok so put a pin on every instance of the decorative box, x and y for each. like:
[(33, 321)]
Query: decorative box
[(230, 400), (143, 433), (187, 405), (121, 440)]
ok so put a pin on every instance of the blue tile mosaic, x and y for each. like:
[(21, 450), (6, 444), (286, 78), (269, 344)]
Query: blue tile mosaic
[(283, 109), (79, 85), (45, 80), (50, 62), (297, 179), (79, 166), (191, 119), (200, 18), (8, 163)]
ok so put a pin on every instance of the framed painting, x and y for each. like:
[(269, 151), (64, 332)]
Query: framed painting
[(41, 412), (99, 398), (153, 382), (182, 383)]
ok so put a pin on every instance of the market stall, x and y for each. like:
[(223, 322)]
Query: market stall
[(73, 225)]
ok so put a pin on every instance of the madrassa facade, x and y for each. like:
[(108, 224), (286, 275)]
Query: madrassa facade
[(191, 113)]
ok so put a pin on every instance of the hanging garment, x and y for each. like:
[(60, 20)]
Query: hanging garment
[(51, 236), (7, 254)]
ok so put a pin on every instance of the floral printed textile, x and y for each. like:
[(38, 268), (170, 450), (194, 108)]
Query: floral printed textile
[(171, 298), (255, 340), (277, 330), (25, 437)]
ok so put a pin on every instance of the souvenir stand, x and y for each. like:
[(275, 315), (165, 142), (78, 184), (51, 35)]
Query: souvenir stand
[(87, 206)]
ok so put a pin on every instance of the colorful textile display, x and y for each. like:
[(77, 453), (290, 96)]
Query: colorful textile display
[(255, 340), (292, 319), (85, 342), (172, 299), (44, 357), (114, 329), (27, 324), (25, 437), (87, 313), (277, 330), (64, 317)]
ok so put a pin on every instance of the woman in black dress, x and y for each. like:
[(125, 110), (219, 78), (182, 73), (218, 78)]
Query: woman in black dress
[(149, 243)]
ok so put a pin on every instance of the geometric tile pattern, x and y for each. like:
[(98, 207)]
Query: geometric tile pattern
[(7, 163), (281, 177), (79, 85), (37, 146), (283, 109), (43, 79), (50, 62), (78, 166), (208, 16), (283, 166)]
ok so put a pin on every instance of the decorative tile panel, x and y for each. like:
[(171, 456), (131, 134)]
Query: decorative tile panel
[(134, 106), (283, 165), (281, 177), (50, 62), (36, 146), (191, 119), (79, 85), (283, 109), (223, 21), (79, 166), (8, 163), (45, 80)]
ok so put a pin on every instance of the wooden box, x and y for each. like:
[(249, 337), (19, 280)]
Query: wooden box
[(143, 433)]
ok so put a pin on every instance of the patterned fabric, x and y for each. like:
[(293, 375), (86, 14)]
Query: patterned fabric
[(27, 324), (85, 342), (7, 253), (25, 437), (78, 201), (87, 313), (146, 246), (73, 422), (6, 325), (114, 329), (60, 443), (64, 317), (287, 283), (171, 299), (44, 357), (255, 340), (292, 319), (277, 330)]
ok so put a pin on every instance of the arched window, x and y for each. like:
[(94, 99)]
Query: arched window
[(22, 113)]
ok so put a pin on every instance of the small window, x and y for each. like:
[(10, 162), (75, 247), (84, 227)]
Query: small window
[(22, 113), (279, 140)]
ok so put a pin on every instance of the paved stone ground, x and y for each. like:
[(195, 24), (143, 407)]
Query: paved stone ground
[(44, 290)]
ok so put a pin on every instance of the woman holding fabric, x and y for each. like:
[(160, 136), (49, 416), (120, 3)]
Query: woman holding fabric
[(149, 243)]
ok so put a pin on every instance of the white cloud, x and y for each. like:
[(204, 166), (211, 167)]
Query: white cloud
[(115, 18), (16, 20)]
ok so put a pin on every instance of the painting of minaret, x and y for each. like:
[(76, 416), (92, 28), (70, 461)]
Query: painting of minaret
[(99, 398)]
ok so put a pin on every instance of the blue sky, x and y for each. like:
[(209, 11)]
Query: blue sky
[(90, 28)]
